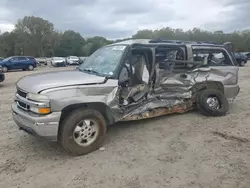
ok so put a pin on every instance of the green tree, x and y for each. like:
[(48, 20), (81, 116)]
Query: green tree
[(7, 44), (92, 44), (34, 35), (71, 43)]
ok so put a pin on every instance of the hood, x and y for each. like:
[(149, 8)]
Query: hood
[(41, 81)]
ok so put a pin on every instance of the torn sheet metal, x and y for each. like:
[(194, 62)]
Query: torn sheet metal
[(159, 108)]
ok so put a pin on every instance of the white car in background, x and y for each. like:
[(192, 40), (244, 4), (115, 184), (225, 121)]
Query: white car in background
[(72, 60), (42, 60), (58, 61)]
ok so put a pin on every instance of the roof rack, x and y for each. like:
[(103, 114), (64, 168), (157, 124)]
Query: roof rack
[(181, 41), (165, 40)]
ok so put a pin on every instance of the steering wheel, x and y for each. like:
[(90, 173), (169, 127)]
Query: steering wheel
[(125, 75)]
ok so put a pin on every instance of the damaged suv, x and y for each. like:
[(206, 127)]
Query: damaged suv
[(129, 80)]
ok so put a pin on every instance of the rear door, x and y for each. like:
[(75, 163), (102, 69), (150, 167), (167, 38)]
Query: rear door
[(168, 71), (23, 62), (220, 63)]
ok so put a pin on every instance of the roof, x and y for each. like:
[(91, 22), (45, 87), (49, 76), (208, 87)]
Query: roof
[(165, 41), (21, 56), (133, 41)]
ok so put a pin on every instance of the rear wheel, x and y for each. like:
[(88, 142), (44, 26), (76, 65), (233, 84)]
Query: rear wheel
[(82, 131), (30, 67), (212, 102)]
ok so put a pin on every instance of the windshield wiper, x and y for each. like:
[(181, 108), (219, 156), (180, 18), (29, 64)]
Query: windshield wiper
[(92, 71)]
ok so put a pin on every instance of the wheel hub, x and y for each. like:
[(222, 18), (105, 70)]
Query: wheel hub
[(213, 102), (85, 132)]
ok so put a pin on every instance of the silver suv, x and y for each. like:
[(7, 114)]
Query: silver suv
[(129, 80)]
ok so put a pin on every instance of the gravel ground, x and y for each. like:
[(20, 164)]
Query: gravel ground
[(187, 150)]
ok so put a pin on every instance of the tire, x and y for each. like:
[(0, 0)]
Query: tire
[(30, 67), (199, 105), (4, 69), (205, 108), (67, 134), (242, 64)]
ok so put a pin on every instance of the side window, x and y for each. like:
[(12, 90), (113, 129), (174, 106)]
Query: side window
[(22, 59), (168, 54), (14, 59), (212, 57)]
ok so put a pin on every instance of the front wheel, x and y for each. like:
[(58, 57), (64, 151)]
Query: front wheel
[(212, 102), (4, 69), (82, 131)]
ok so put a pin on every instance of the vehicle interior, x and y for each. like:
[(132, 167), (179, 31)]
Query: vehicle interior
[(134, 77)]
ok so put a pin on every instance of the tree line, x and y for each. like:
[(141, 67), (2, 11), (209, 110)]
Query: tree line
[(35, 36)]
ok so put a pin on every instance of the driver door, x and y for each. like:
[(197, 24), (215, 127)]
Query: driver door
[(133, 81), (14, 63)]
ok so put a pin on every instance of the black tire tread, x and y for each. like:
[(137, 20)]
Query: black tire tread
[(202, 104)]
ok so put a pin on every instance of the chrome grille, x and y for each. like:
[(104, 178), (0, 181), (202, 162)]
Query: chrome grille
[(21, 93), (20, 103)]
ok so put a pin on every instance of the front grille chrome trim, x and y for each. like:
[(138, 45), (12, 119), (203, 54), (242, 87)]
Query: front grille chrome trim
[(24, 103), (22, 93)]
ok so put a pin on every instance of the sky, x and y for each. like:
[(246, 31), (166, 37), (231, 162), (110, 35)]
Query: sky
[(122, 18)]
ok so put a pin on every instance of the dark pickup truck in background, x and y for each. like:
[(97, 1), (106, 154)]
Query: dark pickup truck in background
[(240, 58)]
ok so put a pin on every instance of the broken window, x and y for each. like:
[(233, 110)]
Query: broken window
[(212, 57), (166, 54), (138, 67)]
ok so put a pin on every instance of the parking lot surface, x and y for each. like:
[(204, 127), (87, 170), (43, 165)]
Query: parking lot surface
[(177, 151)]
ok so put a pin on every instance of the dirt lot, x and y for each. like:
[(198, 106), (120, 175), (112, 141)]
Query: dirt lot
[(187, 150)]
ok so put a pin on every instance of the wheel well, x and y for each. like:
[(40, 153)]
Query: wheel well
[(100, 107), (208, 85)]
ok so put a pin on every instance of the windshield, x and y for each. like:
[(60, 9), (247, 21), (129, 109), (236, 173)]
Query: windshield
[(7, 59), (104, 61)]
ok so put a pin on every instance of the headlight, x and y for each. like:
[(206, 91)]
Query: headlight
[(40, 110), (37, 97)]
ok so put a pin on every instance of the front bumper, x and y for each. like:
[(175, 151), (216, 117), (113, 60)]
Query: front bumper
[(59, 64), (2, 77), (42, 126), (231, 91)]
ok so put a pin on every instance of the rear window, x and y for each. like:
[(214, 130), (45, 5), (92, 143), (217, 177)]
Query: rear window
[(212, 56)]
